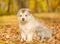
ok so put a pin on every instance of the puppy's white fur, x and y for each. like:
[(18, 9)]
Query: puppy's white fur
[(31, 26)]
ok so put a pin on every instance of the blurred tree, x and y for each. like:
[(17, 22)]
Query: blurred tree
[(31, 4), (3, 6), (53, 4), (43, 5), (22, 3), (58, 8), (13, 7), (9, 2), (19, 3), (36, 6), (0, 7)]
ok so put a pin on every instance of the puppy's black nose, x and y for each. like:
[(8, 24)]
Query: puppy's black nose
[(23, 19)]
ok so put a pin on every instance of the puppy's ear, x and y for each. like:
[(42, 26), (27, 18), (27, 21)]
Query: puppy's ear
[(29, 11)]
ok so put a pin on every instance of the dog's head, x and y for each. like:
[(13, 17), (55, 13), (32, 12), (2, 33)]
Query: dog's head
[(24, 15)]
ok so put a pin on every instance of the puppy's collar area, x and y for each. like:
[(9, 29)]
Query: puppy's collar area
[(23, 22)]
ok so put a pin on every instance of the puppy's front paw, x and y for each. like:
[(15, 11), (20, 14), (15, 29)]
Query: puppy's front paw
[(29, 38), (23, 37), (22, 40)]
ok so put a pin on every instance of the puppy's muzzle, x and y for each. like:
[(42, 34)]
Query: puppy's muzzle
[(23, 19)]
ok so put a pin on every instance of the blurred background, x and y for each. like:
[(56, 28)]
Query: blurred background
[(46, 12), (12, 6)]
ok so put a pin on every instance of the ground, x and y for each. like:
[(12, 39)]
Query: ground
[(10, 33)]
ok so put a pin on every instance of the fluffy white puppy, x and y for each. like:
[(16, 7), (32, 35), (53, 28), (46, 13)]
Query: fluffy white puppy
[(26, 24), (29, 26)]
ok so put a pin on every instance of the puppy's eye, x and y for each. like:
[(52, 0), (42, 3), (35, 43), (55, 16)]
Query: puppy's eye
[(20, 15), (26, 15)]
